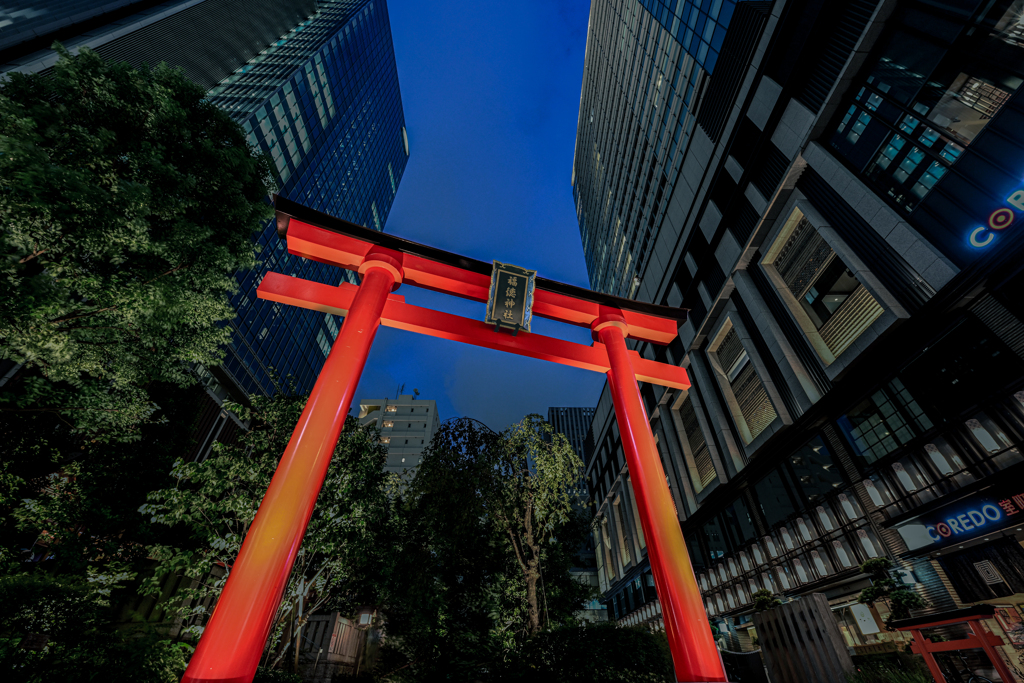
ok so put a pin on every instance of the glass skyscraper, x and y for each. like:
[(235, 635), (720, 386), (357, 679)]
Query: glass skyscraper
[(647, 67), (324, 103), (314, 84)]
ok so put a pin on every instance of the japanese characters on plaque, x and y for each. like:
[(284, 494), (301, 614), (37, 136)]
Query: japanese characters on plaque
[(511, 301)]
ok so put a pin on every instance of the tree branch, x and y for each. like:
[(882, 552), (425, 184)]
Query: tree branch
[(34, 254)]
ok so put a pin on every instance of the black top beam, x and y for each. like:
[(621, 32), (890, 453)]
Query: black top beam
[(287, 209)]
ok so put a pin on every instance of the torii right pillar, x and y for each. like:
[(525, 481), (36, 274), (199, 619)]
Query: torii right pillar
[(694, 653)]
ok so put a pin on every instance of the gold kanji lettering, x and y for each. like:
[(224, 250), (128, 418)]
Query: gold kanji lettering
[(513, 280), (508, 314), (510, 303), (511, 291)]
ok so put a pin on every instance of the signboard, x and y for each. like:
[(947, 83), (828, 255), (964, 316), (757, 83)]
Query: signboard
[(998, 221), (865, 619), (511, 300), (989, 510)]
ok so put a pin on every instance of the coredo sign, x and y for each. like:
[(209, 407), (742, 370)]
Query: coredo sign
[(989, 510)]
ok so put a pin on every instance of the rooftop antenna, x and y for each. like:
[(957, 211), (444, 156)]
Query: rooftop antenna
[(401, 388)]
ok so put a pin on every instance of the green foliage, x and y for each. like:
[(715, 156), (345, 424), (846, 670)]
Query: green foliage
[(457, 599), (531, 496), (216, 500), (884, 586), (599, 652), (79, 501), (764, 599), (127, 202), (265, 675), (54, 628)]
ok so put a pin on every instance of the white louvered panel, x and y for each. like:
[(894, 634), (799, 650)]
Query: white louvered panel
[(849, 322)]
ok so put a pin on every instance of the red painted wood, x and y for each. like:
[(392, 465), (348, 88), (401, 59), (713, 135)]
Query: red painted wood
[(398, 314), (694, 653), (232, 643), (325, 246)]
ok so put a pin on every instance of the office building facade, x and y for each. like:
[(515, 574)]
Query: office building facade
[(841, 225), (574, 424), (406, 424), (315, 86)]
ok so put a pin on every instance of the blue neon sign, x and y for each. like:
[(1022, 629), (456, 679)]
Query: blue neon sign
[(964, 523), (989, 510)]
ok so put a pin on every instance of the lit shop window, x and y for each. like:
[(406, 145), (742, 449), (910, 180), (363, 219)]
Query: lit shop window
[(388, 424), (830, 304), (391, 409), (748, 399), (385, 439)]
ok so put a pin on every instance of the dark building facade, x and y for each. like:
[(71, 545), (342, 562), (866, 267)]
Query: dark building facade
[(324, 102), (841, 224), (574, 424), (314, 84)]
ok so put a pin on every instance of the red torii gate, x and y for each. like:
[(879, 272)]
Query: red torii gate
[(232, 643)]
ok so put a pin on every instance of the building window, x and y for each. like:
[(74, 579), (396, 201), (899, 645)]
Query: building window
[(924, 101), (391, 409), (695, 447), (388, 424), (885, 422), (752, 408), (831, 305), (323, 343), (620, 523)]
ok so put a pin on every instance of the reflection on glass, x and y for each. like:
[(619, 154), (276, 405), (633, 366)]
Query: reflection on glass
[(745, 561), (843, 553), (783, 576), (867, 542), (849, 509), (905, 479), (804, 528), (820, 563), (801, 573)]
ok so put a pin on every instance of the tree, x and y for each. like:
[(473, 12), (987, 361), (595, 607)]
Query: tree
[(534, 490), (127, 202), (765, 600), (56, 628), (216, 501), (884, 586), (488, 533)]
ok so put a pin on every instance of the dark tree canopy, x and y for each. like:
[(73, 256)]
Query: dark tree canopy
[(127, 202)]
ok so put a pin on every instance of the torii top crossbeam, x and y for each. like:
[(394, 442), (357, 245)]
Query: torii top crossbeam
[(234, 639), (330, 240)]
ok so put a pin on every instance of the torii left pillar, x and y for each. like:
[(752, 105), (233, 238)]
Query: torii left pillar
[(233, 640)]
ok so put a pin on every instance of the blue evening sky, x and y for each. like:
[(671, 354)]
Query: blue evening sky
[(491, 93)]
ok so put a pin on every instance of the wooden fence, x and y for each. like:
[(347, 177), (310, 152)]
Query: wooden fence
[(802, 643)]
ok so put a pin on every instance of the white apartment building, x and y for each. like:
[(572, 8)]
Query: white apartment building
[(406, 425)]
